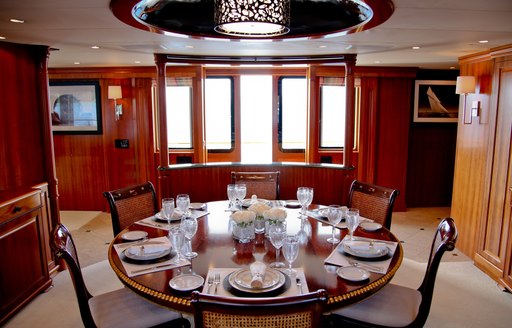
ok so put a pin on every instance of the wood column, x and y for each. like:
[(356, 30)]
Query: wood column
[(350, 110)]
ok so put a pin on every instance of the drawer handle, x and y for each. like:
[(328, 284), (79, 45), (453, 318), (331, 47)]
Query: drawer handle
[(16, 209)]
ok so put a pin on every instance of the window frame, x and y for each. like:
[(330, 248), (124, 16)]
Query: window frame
[(233, 137), (280, 115)]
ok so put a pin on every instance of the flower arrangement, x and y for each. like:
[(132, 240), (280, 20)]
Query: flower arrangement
[(243, 218), (274, 215), (259, 208)]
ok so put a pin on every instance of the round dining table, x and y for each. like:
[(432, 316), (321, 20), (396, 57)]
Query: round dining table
[(217, 248)]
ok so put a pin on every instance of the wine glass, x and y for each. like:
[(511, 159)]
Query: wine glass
[(231, 196), (277, 234), (310, 197), (240, 191), (168, 208), (183, 203), (302, 197), (334, 214), (352, 221), (189, 227), (177, 237), (290, 252)]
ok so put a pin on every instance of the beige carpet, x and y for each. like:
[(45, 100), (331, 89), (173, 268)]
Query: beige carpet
[(464, 296)]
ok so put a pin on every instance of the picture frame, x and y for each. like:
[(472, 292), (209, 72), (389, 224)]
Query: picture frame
[(75, 107), (436, 101)]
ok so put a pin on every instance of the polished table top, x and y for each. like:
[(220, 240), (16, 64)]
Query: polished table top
[(217, 249)]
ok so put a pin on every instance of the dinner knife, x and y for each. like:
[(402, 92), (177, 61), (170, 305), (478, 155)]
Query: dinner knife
[(153, 268)]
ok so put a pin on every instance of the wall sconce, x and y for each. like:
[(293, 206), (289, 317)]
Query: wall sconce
[(465, 85), (114, 92)]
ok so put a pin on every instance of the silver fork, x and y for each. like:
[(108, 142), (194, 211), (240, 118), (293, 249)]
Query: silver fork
[(210, 283), (365, 266), (216, 281)]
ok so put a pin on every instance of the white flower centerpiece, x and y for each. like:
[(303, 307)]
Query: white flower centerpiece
[(243, 225), (273, 216), (258, 209)]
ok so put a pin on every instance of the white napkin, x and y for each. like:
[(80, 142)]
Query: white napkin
[(258, 274)]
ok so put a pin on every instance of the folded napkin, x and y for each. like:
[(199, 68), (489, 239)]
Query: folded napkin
[(258, 274), (338, 257), (133, 269), (364, 247), (224, 272)]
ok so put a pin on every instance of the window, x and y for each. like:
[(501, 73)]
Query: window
[(332, 113), (293, 104), (178, 95), (219, 114)]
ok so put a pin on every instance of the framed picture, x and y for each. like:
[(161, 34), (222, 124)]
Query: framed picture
[(75, 107), (435, 101)]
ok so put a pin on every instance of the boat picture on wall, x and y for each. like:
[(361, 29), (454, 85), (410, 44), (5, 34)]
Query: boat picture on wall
[(435, 101)]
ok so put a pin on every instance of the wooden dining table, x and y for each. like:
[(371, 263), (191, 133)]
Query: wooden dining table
[(216, 248)]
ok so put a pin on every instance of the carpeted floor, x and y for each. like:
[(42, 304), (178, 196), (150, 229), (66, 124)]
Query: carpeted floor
[(464, 296)]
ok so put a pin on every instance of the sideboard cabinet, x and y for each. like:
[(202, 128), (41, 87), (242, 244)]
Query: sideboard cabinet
[(23, 248)]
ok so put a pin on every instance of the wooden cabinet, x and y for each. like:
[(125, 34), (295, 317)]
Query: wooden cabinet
[(23, 248)]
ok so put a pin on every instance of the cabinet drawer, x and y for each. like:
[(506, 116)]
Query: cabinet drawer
[(19, 206)]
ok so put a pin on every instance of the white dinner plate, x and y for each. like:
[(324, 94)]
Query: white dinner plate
[(197, 206), (186, 282), (134, 235), (147, 252), (352, 273), (242, 278), (364, 249), (370, 226), (176, 216)]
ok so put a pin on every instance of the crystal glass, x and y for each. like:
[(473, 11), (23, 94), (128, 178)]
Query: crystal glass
[(290, 252), (334, 215), (231, 196), (352, 221), (302, 197), (243, 232), (183, 203), (189, 226), (310, 197), (277, 234), (177, 237), (240, 191), (168, 208)]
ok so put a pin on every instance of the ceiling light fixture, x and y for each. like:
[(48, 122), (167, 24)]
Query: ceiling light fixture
[(15, 20), (252, 18)]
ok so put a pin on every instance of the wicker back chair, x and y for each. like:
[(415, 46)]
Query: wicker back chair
[(262, 184), (374, 202), (118, 308), (399, 306), (131, 204), (298, 311)]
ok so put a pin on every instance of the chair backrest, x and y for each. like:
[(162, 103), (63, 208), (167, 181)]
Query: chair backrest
[(298, 311), (131, 204), (374, 202), (262, 184), (64, 248), (444, 240)]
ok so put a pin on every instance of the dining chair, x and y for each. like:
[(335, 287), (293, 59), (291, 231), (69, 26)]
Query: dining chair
[(118, 308), (299, 311), (262, 184), (131, 204), (374, 202), (399, 306)]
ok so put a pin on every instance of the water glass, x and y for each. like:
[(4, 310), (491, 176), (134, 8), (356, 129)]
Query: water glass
[(168, 208), (277, 234), (302, 197), (290, 252), (352, 221), (177, 238), (310, 197), (189, 226), (183, 203), (240, 191), (334, 215), (232, 196)]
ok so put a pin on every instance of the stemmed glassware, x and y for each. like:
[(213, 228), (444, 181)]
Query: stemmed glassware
[(168, 208), (189, 227), (277, 234), (334, 215), (290, 252), (177, 237), (232, 196), (302, 197), (240, 191), (352, 221), (310, 197), (183, 203)]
